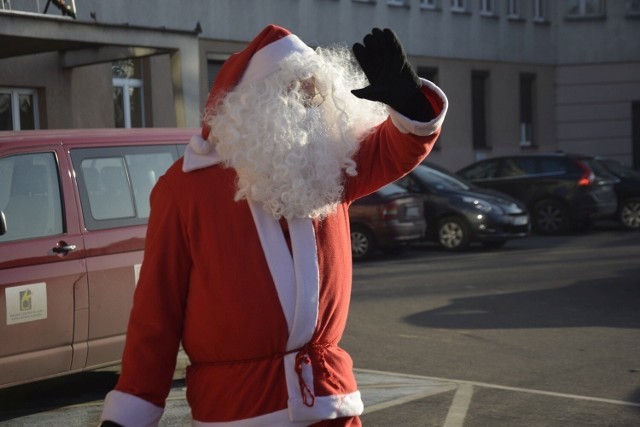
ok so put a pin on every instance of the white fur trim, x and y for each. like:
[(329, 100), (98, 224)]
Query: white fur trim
[(297, 279), (327, 407), (267, 60), (129, 410), (305, 259), (193, 159), (324, 407), (406, 125), (276, 251)]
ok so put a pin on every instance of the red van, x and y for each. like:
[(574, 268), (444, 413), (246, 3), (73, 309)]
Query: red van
[(74, 206)]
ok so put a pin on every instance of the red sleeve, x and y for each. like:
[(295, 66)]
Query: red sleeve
[(385, 156), (155, 324), (388, 153)]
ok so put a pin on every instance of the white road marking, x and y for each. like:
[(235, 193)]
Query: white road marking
[(459, 406), (502, 387)]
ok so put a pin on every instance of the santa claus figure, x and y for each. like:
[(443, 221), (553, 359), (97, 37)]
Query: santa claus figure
[(247, 262)]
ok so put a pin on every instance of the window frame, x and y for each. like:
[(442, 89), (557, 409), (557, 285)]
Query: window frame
[(539, 11), (126, 83), (430, 4), (15, 106), (514, 9), (480, 114), (78, 155), (583, 9), (459, 6), (488, 8), (527, 113)]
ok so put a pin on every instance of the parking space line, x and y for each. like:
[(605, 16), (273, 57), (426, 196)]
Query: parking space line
[(459, 406), (405, 399), (509, 388)]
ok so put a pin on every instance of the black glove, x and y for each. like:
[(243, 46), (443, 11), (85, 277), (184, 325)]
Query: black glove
[(109, 424), (391, 78)]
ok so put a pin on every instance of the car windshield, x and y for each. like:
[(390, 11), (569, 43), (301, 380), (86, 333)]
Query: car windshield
[(439, 180), (391, 189)]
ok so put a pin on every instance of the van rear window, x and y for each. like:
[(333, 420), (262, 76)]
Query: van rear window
[(115, 183)]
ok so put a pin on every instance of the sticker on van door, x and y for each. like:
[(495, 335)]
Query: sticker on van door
[(136, 273), (26, 303)]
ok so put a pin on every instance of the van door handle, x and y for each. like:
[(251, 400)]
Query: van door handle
[(62, 248)]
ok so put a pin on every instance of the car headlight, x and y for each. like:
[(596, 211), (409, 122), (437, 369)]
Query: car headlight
[(481, 205)]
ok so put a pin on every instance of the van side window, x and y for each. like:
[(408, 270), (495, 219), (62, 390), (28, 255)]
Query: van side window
[(108, 187), (115, 183), (30, 196)]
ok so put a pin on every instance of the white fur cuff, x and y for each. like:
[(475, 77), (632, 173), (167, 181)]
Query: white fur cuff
[(129, 410), (406, 125)]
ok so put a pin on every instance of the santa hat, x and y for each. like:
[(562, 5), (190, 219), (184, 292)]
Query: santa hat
[(259, 59)]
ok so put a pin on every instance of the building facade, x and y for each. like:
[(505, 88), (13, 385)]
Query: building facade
[(520, 75)]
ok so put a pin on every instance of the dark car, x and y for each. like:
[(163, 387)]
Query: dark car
[(386, 219), (459, 213), (562, 191), (628, 192)]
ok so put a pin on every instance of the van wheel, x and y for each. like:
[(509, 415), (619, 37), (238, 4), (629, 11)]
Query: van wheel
[(630, 213), (453, 234), (550, 217), (363, 244)]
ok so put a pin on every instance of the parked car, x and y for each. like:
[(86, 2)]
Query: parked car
[(562, 191), (458, 213), (74, 207), (627, 191), (387, 219)]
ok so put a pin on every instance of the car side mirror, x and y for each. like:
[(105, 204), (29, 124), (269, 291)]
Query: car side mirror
[(3, 224)]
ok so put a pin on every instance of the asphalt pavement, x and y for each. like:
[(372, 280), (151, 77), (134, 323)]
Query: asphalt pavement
[(391, 399)]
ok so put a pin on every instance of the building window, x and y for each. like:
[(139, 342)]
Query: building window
[(527, 108), (430, 4), (479, 108), (513, 9), (213, 68), (539, 11), (18, 109), (429, 73), (585, 8), (632, 8), (459, 6), (128, 93), (487, 8)]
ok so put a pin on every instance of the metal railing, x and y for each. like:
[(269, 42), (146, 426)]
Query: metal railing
[(35, 7)]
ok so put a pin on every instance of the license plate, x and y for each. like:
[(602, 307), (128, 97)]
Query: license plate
[(520, 220), (413, 211)]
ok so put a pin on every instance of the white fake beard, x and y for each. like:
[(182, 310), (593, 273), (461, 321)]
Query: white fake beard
[(289, 158), (292, 170)]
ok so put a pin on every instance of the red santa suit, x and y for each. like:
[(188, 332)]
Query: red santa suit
[(259, 305)]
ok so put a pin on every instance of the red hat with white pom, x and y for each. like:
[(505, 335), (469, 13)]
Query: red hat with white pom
[(259, 59)]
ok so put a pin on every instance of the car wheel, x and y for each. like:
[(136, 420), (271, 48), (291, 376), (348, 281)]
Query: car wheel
[(494, 244), (550, 217), (453, 234), (363, 244), (630, 213)]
